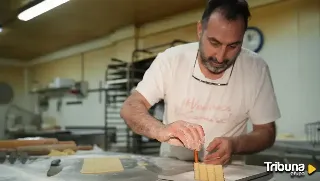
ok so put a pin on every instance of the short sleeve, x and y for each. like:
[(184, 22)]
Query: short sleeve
[(265, 107), (155, 81)]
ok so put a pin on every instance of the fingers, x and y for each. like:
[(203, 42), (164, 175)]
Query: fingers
[(197, 140), (180, 134), (214, 145), (215, 152), (197, 136), (222, 154), (218, 154), (200, 133), (191, 135), (218, 161)]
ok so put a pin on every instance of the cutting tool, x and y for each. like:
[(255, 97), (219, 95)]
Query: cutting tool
[(196, 159), (13, 156), (3, 156), (55, 168)]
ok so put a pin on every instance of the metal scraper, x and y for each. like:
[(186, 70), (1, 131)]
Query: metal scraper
[(55, 168)]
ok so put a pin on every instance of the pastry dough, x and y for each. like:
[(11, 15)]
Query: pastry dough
[(61, 153), (203, 171), (208, 172), (211, 173), (101, 165), (218, 172), (196, 171)]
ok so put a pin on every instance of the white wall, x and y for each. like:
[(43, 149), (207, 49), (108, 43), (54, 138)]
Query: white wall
[(91, 112), (292, 49)]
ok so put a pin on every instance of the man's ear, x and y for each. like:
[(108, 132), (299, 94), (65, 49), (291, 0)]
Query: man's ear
[(199, 29)]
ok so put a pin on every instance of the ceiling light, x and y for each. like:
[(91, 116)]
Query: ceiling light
[(40, 8), (0, 29)]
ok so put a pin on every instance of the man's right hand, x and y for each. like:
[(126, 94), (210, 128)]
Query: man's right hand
[(181, 133)]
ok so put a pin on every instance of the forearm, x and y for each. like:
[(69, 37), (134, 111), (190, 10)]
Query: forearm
[(137, 117), (256, 141)]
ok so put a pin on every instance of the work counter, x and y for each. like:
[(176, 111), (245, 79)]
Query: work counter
[(35, 169)]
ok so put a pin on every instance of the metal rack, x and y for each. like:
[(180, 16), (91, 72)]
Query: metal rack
[(119, 84), (141, 144), (312, 131), (121, 78), (116, 76)]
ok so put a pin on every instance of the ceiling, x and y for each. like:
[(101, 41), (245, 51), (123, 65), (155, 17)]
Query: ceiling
[(77, 21)]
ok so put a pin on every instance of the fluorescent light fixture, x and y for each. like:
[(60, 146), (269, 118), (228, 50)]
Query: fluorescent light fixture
[(40, 8), (0, 29)]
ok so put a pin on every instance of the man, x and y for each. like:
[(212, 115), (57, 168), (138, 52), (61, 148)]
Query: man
[(210, 89)]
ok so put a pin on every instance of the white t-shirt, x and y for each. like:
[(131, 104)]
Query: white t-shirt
[(221, 110)]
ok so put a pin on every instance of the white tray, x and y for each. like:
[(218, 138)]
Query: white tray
[(231, 173)]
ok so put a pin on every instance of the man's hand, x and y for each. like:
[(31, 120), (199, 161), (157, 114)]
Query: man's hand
[(219, 151), (181, 133), (262, 137)]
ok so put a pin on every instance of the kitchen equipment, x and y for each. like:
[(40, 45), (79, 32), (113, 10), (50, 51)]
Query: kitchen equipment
[(23, 157), (55, 168), (12, 156), (46, 149), (6, 93), (18, 119), (62, 83), (38, 147), (3, 157), (196, 159), (25, 142)]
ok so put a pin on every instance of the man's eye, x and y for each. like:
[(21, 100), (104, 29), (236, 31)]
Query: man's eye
[(215, 44), (233, 46)]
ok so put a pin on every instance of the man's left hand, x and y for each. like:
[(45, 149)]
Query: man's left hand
[(219, 151)]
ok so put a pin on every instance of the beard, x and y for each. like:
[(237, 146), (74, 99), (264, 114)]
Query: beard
[(213, 65)]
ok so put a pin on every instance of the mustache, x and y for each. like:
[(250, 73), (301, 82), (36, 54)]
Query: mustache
[(214, 60)]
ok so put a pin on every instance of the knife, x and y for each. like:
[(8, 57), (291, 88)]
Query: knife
[(55, 168)]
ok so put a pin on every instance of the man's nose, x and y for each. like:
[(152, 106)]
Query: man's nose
[(221, 54)]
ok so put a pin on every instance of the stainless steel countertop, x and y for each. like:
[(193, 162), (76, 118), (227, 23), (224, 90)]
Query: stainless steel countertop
[(36, 170)]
